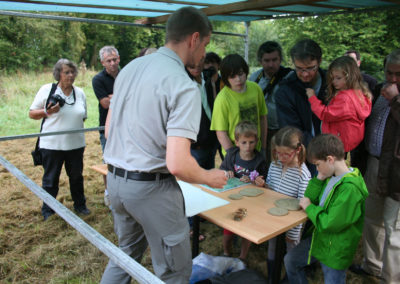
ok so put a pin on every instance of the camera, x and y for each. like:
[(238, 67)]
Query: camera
[(54, 99)]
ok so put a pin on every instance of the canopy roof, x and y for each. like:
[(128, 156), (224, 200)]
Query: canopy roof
[(157, 11)]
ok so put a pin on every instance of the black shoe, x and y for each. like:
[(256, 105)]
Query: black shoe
[(82, 210), (47, 214), (357, 269)]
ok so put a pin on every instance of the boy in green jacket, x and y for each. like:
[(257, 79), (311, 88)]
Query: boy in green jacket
[(334, 202)]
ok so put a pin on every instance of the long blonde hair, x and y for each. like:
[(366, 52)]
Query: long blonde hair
[(354, 79)]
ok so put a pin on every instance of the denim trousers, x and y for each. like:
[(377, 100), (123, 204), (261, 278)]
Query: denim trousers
[(296, 260)]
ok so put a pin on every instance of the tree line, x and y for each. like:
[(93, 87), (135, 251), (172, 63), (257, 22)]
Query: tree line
[(35, 44)]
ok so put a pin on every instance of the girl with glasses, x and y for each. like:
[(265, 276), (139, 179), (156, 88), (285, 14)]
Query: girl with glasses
[(289, 175)]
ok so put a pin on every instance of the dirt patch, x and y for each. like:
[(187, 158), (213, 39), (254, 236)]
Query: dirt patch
[(33, 251)]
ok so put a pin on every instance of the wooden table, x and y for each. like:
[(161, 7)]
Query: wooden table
[(258, 226)]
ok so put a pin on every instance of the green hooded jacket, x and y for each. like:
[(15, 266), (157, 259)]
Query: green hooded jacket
[(338, 225)]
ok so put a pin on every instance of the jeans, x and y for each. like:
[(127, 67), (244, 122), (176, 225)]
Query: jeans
[(103, 141), (296, 260)]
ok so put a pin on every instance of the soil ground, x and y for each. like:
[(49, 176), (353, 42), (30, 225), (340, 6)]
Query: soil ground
[(34, 251)]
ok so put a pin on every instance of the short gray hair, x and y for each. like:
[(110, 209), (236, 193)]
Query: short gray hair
[(393, 58), (108, 49), (59, 66)]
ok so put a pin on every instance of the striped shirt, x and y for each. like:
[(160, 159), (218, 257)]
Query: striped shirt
[(293, 183)]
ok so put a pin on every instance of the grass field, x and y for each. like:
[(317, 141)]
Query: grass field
[(33, 251)]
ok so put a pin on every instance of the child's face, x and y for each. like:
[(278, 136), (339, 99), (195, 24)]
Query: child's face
[(238, 82), (326, 167), (285, 154), (339, 80), (246, 144)]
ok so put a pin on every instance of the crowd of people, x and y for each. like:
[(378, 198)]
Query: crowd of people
[(308, 133)]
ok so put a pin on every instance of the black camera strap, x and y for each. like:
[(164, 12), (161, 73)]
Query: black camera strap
[(52, 91)]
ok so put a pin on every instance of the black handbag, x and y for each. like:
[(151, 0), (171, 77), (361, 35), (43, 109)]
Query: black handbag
[(37, 154)]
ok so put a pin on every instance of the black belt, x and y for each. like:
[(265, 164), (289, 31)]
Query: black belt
[(137, 175)]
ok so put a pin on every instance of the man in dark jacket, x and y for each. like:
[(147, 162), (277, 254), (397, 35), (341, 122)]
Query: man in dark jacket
[(292, 103), (381, 235)]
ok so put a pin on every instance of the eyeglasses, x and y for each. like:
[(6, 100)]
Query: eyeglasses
[(306, 70), (69, 72), (285, 155)]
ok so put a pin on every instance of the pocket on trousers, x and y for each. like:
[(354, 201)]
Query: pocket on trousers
[(177, 251), (397, 221)]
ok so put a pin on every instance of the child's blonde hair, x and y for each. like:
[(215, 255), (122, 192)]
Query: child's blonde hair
[(290, 137), (245, 128), (354, 79)]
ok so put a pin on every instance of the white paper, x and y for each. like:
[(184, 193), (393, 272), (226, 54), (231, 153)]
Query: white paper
[(197, 201)]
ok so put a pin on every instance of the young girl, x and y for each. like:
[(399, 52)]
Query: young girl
[(349, 103), (288, 174)]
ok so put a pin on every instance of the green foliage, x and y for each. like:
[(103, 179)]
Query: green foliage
[(373, 34)]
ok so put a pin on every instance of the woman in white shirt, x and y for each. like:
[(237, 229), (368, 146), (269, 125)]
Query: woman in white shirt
[(64, 110)]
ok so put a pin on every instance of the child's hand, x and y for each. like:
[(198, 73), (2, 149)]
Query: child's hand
[(229, 174), (304, 202), (245, 179), (310, 92), (259, 181)]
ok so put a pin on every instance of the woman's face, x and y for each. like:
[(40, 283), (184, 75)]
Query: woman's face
[(67, 76)]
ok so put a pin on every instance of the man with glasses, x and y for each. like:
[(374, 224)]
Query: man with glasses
[(103, 87), (292, 103)]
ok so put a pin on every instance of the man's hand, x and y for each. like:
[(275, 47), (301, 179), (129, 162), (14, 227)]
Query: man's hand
[(389, 91), (217, 178), (304, 202), (310, 92)]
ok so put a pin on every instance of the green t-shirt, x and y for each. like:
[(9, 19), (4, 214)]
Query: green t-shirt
[(231, 107)]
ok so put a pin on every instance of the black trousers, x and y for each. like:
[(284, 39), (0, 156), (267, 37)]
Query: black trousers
[(53, 161)]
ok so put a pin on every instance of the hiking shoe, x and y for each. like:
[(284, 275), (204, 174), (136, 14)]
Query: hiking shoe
[(82, 210)]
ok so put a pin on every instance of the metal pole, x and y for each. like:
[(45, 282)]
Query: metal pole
[(137, 271), (246, 42)]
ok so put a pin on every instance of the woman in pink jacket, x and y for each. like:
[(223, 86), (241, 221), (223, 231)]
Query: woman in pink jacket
[(349, 103)]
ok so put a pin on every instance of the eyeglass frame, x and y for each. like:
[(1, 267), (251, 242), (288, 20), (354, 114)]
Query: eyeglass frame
[(306, 70)]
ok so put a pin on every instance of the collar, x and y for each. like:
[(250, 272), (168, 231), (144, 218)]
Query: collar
[(172, 54)]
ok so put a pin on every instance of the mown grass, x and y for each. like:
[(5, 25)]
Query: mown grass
[(17, 92), (33, 251)]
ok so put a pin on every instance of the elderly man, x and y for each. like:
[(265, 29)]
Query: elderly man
[(153, 118), (381, 241), (103, 87), (269, 55)]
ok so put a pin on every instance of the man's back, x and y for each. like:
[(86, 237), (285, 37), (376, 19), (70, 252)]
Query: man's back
[(154, 95)]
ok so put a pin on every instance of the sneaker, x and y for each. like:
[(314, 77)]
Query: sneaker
[(82, 210)]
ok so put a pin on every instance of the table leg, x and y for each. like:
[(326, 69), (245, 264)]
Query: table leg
[(279, 254), (195, 236)]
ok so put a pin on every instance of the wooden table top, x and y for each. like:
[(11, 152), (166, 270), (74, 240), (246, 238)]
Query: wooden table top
[(258, 226)]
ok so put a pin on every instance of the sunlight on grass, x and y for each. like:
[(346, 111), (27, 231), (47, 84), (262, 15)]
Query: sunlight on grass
[(17, 92)]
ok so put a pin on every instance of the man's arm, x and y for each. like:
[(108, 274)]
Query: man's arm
[(105, 102), (181, 164), (224, 139), (107, 125)]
